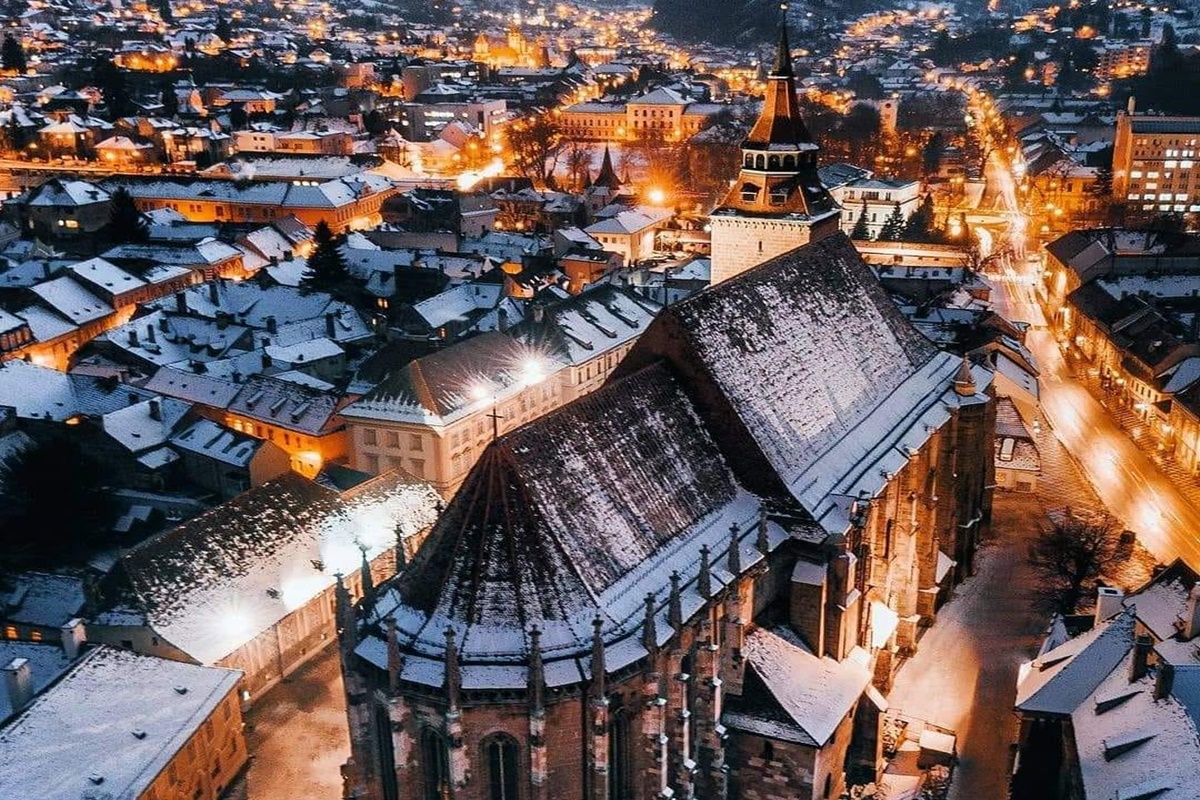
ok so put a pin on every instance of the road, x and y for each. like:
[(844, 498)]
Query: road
[(297, 736), (1127, 481), (965, 671)]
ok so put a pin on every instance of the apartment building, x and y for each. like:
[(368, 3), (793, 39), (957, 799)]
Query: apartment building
[(1154, 163)]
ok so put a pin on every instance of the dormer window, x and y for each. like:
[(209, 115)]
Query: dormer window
[(749, 193), (778, 196)]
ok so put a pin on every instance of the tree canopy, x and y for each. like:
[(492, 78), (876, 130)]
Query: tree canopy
[(54, 506), (12, 54), (326, 269), (125, 222)]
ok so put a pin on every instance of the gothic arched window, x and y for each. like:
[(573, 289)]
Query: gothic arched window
[(774, 162), (759, 162), (435, 766), (620, 756), (500, 753)]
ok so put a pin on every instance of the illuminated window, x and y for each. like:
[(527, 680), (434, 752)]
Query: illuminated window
[(10, 632), (35, 636)]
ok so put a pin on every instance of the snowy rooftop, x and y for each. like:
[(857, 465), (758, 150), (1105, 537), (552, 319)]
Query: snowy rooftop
[(43, 599), (1135, 747), (811, 696), (580, 513), (822, 369), (46, 663), (1058, 681), (80, 729), (217, 581)]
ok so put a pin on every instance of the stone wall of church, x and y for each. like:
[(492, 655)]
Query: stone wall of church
[(739, 243)]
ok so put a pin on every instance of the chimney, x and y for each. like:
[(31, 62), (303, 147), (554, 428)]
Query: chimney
[(163, 325), (1141, 657), (213, 296), (150, 334), (964, 380), (18, 682), (156, 409), (1164, 679), (502, 319), (330, 330), (73, 637), (133, 339), (1108, 602), (1191, 614), (272, 326), (181, 305), (539, 313), (133, 398), (1131, 105), (266, 360), (237, 376)]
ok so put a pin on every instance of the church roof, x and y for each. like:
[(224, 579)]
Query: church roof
[(582, 512), (819, 366), (608, 175)]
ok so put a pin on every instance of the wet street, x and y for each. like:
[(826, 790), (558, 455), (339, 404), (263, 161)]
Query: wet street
[(1127, 481)]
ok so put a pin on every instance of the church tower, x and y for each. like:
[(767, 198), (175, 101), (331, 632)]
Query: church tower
[(778, 202)]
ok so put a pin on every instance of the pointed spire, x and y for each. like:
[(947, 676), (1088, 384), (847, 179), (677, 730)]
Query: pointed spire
[(735, 551), (964, 380), (783, 52), (674, 605), (608, 175), (395, 660), (598, 669), (704, 579), (368, 583), (537, 672), (761, 540), (649, 625), (453, 672)]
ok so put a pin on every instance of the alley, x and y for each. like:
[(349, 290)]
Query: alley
[(298, 736), (965, 670)]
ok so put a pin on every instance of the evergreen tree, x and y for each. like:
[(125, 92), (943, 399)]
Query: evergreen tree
[(125, 222), (12, 54), (893, 226), (53, 506), (919, 227), (110, 79), (861, 232), (165, 12), (931, 153), (222, 29), (170, 100), (326, 270)]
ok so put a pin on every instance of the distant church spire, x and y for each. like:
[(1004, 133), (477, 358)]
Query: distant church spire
[(608, 175)]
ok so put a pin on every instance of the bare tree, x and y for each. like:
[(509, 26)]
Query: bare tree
[(1073, 553), (579, 163), (536, 144)]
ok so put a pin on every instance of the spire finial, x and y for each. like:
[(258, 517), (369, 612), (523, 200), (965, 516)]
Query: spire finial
[(395, 659), (649, 627), (453, 671), (783, 55), (598, 668), (537, 675), (704, 579), (735, 551), (674, 605)]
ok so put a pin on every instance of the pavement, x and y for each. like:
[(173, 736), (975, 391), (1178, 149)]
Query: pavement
[(964, 674), (298, 737)]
